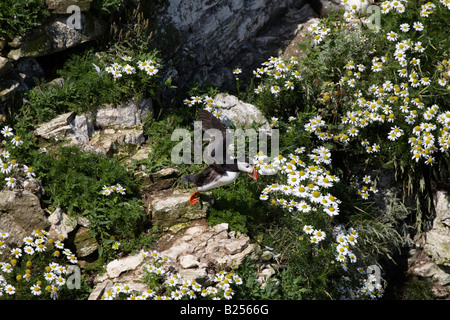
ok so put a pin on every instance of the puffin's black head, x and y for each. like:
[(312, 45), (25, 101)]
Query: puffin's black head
[(247, 166)]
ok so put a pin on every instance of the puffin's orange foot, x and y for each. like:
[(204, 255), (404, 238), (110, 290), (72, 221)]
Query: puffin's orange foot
[(194, 198)]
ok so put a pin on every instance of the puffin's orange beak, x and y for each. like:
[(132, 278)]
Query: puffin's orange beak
[(254, 174)]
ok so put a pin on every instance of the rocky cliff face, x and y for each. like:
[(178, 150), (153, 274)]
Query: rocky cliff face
[(202, 40), (219, 36), (64, 29), (430, 257), (210, 38)]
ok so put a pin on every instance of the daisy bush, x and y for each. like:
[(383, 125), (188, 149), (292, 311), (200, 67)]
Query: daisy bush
[(126, 67), (388, 92), (165, 283), (379, 93), (386, 99), (134, 75), (366, 98), (394, 96), (301, 185), (204, 102), (116, 188), (303, 191), (278, 83), (11, 170), (92, 79), (39, 269)]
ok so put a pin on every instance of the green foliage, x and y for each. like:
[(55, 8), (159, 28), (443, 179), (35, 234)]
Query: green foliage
[(236, 220), (310, 268), (85, 89), (107, 7), (41, 273), (159, 138), (416, 289), (159, 133), (140, 241), (74, 179), (17, 17), (315, 105), (339, 78), (251, 288), (239, 206)]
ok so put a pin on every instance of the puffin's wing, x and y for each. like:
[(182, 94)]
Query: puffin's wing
[(197, 150), (217, 168), (209, 121), (207, 175)]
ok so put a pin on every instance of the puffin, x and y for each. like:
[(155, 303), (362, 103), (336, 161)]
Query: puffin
[(218, 173)]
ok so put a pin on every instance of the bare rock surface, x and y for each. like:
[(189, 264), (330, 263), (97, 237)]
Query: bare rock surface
[(104, 131), (20, 215), (430, 259), (191, 253)]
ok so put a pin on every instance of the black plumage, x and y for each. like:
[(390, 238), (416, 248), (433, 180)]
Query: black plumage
[(222, 170)]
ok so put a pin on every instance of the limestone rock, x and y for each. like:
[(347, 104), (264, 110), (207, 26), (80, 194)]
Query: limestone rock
[(84, 242), (300, 35), (56, 36), (240, 113), (119, 266), (165, 173), (174, 209), (125, 270), (8, 88), (35, 45), (176, 251), (437, 245), (142, 153), (108, 141), (191, 254), (62, 36), (264, 274), (201, 245), (130, 114), (5, 66), (214, 37), (83, 221), (431, 257), (104, 131), (34, 186), (61, 224), (442, 207), (20, 215), (82, 129), (431, 270), (99, 289), (237, 246), (437, 240), (189, 261), (56, 128)]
